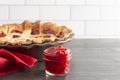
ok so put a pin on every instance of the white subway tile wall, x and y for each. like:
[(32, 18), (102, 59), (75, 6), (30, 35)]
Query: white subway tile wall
[(40, 2), (76, 26), (108, 12), (4, 12), (24, 12), (117, 2), (107, 2), (85, 13), (117, 28), (95, 2), (11, 2), (87, 18), (100, 28), (70, 2), (54, 12)]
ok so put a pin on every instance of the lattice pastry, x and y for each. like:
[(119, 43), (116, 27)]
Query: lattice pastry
[(32, 33)]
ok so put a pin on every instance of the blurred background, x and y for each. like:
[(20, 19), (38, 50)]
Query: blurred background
[(87, 18)]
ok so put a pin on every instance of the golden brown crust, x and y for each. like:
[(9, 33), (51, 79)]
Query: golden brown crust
[(4, 29), (32, 33), (36, 29), (12, 27), (27, 25), (50, 26)]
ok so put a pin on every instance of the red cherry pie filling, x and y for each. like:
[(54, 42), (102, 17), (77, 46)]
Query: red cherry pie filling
[(48, 31), (57, 60), (16, 31), (61, 35), (34, 32), (2, 34)]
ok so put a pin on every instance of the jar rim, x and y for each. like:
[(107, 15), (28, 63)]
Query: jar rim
[(68, 56)]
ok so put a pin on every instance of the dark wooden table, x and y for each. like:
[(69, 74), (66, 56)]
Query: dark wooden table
[(93, 59)]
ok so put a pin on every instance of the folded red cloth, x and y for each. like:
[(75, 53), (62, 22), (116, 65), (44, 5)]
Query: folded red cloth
[(13, 61)]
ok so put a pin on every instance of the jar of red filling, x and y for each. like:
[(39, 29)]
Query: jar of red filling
[(57, 60)]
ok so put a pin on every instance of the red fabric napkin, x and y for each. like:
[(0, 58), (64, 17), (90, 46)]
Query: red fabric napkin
[(13, 61)]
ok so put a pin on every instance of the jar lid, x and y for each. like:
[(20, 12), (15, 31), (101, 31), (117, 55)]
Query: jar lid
[(59, 52)]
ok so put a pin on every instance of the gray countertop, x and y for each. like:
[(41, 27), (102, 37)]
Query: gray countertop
[(92, 59)]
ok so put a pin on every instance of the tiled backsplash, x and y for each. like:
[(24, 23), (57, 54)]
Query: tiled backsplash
[(87, 18)]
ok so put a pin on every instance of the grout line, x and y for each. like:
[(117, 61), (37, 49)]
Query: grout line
[(98, 37), (23, 5), (86, 20), (115, 27), (8, 12), (85, 28), (65, 20), (85, 2), (100, 12), (70, 12), (39, 12), (55, 3), (114, 32), (115, 2), (25, 2)]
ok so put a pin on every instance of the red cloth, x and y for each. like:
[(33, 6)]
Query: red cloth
[(13, 61)]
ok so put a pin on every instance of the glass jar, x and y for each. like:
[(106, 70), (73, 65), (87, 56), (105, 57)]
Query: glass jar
[(57, 60)]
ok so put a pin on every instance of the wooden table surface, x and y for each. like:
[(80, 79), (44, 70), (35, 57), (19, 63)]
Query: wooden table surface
[(92, 59)]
